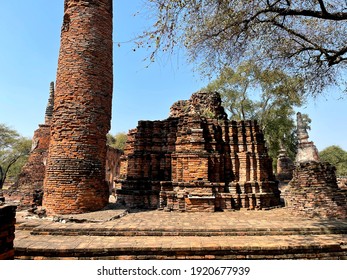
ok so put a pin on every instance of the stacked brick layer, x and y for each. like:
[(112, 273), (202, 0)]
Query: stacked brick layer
[(313, 191), (7, 230), (75, 172), (197, 160)]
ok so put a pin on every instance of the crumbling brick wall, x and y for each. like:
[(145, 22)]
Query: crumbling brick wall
[(313, 191), (7, 230), (29, 187), (75, 171), (197, 160)]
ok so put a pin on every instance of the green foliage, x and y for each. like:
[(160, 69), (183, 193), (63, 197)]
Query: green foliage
[(14, 150), (336, 156), (207, 113), (267, 96), (306, 37), (118, 141), (16, 168)]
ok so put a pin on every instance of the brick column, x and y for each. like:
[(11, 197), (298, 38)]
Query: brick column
[(75, 172)]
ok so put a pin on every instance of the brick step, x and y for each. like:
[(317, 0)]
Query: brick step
[(99, 231), (330, 252)]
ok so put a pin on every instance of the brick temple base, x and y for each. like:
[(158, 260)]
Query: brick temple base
[(313, 191), (197, 160)]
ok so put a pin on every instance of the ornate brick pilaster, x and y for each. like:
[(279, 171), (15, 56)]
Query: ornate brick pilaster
[(75, 171)]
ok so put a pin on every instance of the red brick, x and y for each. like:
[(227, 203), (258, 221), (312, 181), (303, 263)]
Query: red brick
[(75, 171)]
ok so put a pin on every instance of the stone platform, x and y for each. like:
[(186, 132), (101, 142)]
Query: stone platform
[(119, 234)]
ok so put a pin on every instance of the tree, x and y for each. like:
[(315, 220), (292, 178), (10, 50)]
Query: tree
[(118, 141), (15, 169), (336, 156), (13, 147), (306, 37), (268, 96)]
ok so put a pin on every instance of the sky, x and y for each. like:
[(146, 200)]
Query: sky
[(29, 48)]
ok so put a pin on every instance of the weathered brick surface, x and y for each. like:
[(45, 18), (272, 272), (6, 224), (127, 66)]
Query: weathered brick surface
[(285, 167), (197, 160), (27, 192), (7, 230), (313, 191), (75, 171)]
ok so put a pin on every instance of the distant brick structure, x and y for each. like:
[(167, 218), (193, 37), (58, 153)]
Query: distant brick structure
[(285, 166), (29, 187), (197, 160), (75, 171), (7, 230), (306, 150), (314, 191)]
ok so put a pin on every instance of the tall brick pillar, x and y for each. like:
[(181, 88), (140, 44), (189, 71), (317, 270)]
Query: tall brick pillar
[(75, 171)]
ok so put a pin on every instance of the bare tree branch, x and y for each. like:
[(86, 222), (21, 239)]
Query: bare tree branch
[(322, 6), (307, 13), (222, 32)]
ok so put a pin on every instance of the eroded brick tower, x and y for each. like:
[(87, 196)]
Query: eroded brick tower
[(75, 171)]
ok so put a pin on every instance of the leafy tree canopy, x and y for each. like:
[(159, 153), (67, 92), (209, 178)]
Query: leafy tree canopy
[(306, 37), (14, 150), (336, 156), (118, 141), (268, 96)]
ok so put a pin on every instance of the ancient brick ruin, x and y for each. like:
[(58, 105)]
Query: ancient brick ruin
[(7, 230), (285, 167), (197, 160), (313, 191), (75, 170), (28, 190)]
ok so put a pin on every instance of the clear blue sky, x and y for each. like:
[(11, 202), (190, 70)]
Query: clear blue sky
[(29, 46)]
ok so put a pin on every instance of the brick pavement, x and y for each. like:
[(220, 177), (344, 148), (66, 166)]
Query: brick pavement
[(168, 235)]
